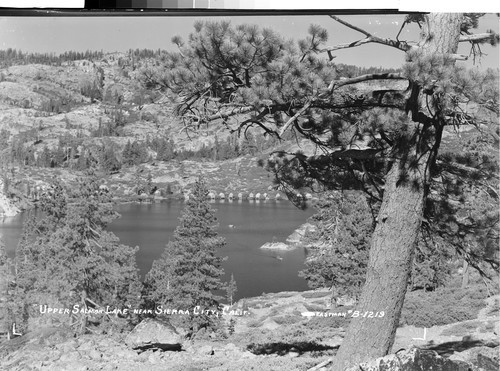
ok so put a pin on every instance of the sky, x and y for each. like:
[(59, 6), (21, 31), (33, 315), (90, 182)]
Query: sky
[(59, 34)]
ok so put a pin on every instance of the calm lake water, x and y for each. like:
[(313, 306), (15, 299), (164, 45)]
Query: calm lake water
[(151, 226)]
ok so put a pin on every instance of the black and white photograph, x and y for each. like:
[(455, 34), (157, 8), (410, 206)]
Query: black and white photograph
[(202, 187)]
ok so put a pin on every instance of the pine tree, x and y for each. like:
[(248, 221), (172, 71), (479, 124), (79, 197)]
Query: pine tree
[(69, 258), (149, 187), (342, 238), (231, 290), (127, 156), (134, 153), (338, 256), (107, 158), (5, 283), (378, 132), (189, 271), (164, 148)]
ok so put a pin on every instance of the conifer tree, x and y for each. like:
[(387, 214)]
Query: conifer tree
[(5, 283), (107, 158), (164, 148), (377, 132), (231, 289), (189, 272), (343, 230), (134, 153), (69, 258), (338, 252)]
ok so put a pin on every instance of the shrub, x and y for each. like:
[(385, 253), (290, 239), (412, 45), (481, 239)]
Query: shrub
[(284, 294), (320, 324), (287, 320), (314, 307), (315, 294), (443, 306)]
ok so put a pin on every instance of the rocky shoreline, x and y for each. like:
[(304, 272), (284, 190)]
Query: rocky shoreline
[(295, 240)]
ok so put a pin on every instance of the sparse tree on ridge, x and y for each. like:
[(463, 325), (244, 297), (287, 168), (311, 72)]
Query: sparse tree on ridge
[(380, 132)]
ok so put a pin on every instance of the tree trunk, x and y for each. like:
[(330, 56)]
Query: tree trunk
[(373, 326), (465, 274)]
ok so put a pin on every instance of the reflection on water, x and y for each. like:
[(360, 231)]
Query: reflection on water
[(245, 225)]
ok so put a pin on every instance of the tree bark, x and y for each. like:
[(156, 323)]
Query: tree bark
[(373, 326), (465, 274)]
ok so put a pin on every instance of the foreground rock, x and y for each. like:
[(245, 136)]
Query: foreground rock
[(482, 358), (154, 334), (413, 359)]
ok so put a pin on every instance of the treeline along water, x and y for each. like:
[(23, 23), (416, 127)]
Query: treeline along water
[(245, 225)]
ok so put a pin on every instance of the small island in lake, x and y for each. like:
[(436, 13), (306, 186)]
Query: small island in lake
[(277, 246)]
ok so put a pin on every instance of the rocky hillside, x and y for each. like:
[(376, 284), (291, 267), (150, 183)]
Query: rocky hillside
[(57, 120)]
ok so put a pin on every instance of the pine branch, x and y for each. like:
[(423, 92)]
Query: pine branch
[(369, 77), (459, 57), (478, 38), (360, 154), (401, 45), (347, 24), (292, 119), (460, 169), (229, 113)]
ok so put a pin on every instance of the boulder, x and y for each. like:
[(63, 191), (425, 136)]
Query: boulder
[(484, 357), (413, 359), (488, 362), (345, 301), (154, 334), (207, 350)]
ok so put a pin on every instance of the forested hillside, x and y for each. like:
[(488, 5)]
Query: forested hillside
[(77, 111), (63, 114)]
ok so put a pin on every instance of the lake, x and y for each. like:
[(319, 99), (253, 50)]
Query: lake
[(150, 226)]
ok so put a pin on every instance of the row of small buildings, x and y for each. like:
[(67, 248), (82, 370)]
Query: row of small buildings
[(248, 196)]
